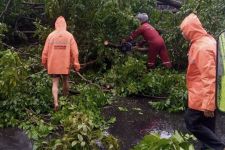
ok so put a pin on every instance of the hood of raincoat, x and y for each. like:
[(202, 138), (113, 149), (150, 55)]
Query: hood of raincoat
[(192, 28), (60, 24)]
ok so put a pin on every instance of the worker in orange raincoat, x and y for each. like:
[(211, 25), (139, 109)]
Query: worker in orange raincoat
[(60, 51), (201, 82)]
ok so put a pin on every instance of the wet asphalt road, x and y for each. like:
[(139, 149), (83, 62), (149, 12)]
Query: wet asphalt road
[(137, 119), (14, 139)]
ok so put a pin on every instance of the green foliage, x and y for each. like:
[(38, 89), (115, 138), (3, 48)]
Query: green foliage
[(76, 125), (92, 22), (3, 29), (19, 20), (125, 77), (41, 31), (12, 73), (91, 97), (132, 78), (211, 17), (68, 128), (177, 142), (79, 132), (30, 108), (177, 97), (26, 101), (25, 93), (38, 90)]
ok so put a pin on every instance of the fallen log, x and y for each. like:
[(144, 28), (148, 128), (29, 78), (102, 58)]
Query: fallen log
[(172, 3)]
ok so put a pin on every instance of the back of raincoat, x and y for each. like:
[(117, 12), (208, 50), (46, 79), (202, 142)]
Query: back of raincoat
[(60, 50), (201, 72)]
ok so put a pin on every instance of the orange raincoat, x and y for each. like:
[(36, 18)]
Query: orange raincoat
[(201, 72), (60, 50)]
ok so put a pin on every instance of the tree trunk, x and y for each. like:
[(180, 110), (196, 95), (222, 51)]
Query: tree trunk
[(173, 3)]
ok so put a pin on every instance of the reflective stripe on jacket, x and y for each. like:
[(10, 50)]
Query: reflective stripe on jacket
[(201, 72), (60, 50)]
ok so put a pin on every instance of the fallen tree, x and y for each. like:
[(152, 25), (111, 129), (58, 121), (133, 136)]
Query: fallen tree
[(172, 3)]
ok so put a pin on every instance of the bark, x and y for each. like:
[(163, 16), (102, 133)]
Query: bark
[(37, 6), (172, 3)]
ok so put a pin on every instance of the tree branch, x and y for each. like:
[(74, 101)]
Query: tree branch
[(87, 63), (6, 8), (86, 80), (33, 4), (19, 50)]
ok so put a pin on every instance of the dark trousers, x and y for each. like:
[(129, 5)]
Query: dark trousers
[(203, 129)]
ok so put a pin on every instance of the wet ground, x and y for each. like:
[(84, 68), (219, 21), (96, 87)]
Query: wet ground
[(135, 118), (14, 139)]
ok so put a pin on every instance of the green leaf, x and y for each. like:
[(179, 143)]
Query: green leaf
[(112, 120), (83, 144), (122, 109), (137, 109), (74, 143), (80, 137)]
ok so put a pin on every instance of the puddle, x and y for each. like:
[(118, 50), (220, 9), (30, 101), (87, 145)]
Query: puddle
[(131, 125)]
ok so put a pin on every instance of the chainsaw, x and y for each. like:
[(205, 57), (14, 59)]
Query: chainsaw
[(124, 47)]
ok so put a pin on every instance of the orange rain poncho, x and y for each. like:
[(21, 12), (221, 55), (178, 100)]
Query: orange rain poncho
[(60, 50), (201, 72)]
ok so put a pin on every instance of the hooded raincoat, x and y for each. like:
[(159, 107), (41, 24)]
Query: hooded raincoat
[(201, 72), (60, 50)]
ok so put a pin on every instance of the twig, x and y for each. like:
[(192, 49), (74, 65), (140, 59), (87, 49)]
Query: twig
[(88, 63), (7, 5), (27, 3), (155, 97), (86, 80), (43, 70), (19, 50), (6, 45), (28, 32), (35, 118)]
